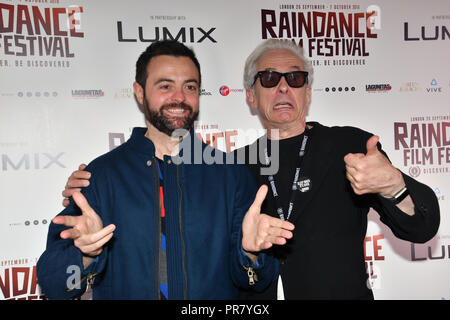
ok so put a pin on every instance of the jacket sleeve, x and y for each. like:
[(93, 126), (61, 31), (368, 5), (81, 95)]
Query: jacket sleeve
[(60, 270), (420, 227), (267, 266)]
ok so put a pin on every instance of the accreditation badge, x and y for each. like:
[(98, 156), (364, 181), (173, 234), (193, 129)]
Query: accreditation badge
[(304, 184)]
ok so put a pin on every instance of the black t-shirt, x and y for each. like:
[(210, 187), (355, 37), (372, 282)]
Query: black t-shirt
[(288, 156)]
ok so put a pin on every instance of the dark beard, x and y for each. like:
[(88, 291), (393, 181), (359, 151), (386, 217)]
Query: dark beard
[(163, 123)]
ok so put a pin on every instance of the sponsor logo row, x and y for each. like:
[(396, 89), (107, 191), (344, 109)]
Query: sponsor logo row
[(434, 86)]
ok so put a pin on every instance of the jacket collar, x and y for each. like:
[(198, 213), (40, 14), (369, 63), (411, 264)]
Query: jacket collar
[(143, 145), (140, 143)]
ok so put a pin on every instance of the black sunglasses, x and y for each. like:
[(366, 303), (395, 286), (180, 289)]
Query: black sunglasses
[(270, 78)]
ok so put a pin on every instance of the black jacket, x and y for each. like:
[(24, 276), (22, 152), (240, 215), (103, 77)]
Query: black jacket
[(325, 258)]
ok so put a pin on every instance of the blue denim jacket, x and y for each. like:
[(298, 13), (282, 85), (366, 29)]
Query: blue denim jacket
[(204, 205)]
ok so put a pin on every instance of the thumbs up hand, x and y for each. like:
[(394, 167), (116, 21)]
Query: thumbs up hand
[(260, 231), (87, 229), (372, 172)]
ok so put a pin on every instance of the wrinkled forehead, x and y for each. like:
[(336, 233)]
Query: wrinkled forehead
[(279, 59)]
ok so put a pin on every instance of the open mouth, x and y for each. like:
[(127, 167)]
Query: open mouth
[(283, 105), (179, 110), (175, 111)]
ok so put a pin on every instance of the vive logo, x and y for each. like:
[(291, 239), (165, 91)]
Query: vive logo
[(434, 87)]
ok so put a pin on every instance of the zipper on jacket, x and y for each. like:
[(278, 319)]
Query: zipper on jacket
[(180, 213), (89, 282), (158, 186), (252, 276)]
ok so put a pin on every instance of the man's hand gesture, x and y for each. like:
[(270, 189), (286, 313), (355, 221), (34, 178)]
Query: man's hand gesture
[(372, 172), (86, 230), (260, 231)]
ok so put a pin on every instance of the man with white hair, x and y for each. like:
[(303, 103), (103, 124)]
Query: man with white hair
[(329, 178)]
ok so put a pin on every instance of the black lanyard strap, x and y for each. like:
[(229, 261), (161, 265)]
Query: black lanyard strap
[(294, 188)]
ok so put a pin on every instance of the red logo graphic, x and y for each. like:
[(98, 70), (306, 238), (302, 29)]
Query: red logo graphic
[(224, 90)]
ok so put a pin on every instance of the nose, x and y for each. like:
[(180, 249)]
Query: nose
[(178, 95), (283, 85)]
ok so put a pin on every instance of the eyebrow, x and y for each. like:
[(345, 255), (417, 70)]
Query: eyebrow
[(172, 81)]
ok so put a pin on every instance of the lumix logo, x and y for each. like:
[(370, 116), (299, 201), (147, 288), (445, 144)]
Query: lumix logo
[(31, 161), (427, 252), (439, 33), (183, 34)]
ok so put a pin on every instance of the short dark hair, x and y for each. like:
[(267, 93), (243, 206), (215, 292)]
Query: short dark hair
[(159, 48)]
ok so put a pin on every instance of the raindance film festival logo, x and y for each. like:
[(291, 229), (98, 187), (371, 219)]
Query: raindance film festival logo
[(37, 36), (425, 144), (330, 34), (18, 280), (218, 139), (373, 246)]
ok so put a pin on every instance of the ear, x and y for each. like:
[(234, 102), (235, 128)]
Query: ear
[(251, 98), (138, 93)]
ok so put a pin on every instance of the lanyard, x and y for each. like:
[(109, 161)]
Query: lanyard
[(294, 189)]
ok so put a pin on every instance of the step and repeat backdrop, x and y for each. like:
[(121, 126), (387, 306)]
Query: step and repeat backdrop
[(66, 75)]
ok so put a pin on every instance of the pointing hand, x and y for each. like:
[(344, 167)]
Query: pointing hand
[(260, 231), (87, 229)]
